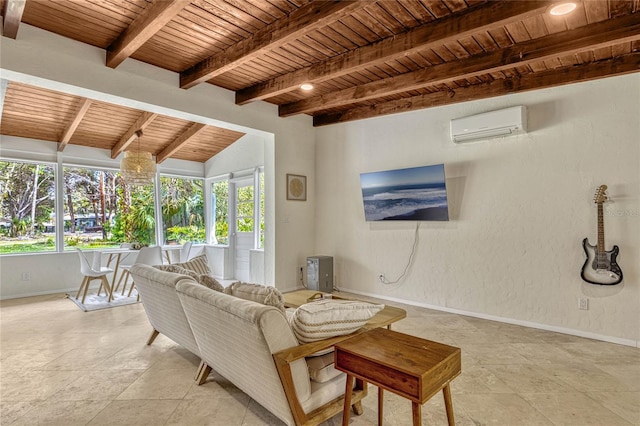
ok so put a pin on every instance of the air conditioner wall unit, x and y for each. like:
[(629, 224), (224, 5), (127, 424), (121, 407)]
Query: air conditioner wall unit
[(503, 122)]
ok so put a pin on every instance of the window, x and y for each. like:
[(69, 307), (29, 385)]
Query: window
[(220, 211), (182, 210), (102, 211), (27, 202), (244, 208), (243, 198), (261, 218)]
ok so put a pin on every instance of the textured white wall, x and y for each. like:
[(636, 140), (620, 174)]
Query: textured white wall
[(519, 208)]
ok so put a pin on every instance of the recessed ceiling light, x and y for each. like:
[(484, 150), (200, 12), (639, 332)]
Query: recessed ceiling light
[(562, 8), (306, 86)]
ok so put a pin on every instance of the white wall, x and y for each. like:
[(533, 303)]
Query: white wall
[(519, 208), (57, 63)]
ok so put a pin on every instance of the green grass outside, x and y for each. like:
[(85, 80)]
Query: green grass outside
[(48, 245)]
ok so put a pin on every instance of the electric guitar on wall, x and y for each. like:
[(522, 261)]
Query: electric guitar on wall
[(600, 266)]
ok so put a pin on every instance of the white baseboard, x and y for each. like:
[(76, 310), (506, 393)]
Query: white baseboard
[(44, 293), (546, 327)]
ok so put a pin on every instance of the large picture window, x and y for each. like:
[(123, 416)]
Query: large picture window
[(102, 211), (182, 210), (27, 204)]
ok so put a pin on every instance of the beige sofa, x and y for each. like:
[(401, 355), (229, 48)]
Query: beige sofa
[(253, 346), (157, 291), (250, 344)]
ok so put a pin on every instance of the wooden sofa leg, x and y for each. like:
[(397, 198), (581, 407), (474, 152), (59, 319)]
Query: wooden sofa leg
[(153, 336), (357, 408), (203, 372)]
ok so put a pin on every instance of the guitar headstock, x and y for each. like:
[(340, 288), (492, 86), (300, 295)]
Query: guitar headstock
[(600, 196)]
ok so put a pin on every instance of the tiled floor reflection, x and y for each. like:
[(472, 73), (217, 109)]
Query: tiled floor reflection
[(62, 366)]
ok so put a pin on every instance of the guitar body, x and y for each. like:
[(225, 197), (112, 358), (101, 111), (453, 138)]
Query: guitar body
[(600, 267)]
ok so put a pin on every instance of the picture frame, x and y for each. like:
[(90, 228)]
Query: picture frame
[(296, 187)]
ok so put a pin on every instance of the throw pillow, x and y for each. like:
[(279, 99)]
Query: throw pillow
[(209, 281), (198, 264), (326, 318), (176, 269), (258, 293), (204, 279)]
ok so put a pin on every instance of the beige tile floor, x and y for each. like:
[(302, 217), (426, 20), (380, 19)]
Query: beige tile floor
[(62, 366)]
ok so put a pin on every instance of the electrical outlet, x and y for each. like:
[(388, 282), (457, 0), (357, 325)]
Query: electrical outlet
[(26, 276), (583, 303)]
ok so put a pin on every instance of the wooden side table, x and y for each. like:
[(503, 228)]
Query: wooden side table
[(409, 366)]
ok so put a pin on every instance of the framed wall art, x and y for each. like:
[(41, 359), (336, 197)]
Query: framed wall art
[(296, 187)]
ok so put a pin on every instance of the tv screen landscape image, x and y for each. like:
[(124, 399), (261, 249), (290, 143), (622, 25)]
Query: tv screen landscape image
[(417, 193)]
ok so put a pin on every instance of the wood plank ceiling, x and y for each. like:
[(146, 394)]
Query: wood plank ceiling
[(365, 58)]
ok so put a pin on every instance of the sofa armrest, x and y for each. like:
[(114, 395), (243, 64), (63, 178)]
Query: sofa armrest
[(298, 352), (283, 360)]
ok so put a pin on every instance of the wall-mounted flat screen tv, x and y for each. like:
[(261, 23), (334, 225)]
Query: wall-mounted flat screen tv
[(417, 193)]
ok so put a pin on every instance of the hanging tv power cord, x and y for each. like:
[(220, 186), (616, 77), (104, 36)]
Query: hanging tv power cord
[(416, 238)]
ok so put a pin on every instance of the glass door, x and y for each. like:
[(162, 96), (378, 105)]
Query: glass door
[(244, 234)]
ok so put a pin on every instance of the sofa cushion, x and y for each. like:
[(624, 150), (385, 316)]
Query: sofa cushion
[(322, 368), (265, 295), (198, 264), (326, 318)]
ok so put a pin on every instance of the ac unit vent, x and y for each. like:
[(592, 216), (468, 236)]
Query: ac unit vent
[(504, 122)]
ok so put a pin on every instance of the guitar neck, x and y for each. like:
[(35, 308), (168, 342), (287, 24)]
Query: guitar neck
[(600, 229)]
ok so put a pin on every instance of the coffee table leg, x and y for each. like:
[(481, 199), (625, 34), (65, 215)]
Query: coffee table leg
[(448, 404), (380, 406), (417, 413), (348, 391)]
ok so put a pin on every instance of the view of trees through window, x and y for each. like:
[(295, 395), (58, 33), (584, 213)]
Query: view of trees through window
[(244, 205), (220, 204), (244, 208), (182, 210), (102, 211), (27, 201), (261, 186)]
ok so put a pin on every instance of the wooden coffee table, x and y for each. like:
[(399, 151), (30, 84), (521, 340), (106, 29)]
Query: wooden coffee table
[(384, 318), (409, 366)]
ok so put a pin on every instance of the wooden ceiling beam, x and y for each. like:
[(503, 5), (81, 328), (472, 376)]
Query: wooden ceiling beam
[(180, 141), (81, 110), (483, 17), (300, 22), (153, 19), (11, 17), (130, 135), (625, 64), (589, 37)]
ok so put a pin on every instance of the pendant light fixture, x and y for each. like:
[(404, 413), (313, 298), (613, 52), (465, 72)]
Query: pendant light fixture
[(138, 167)]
